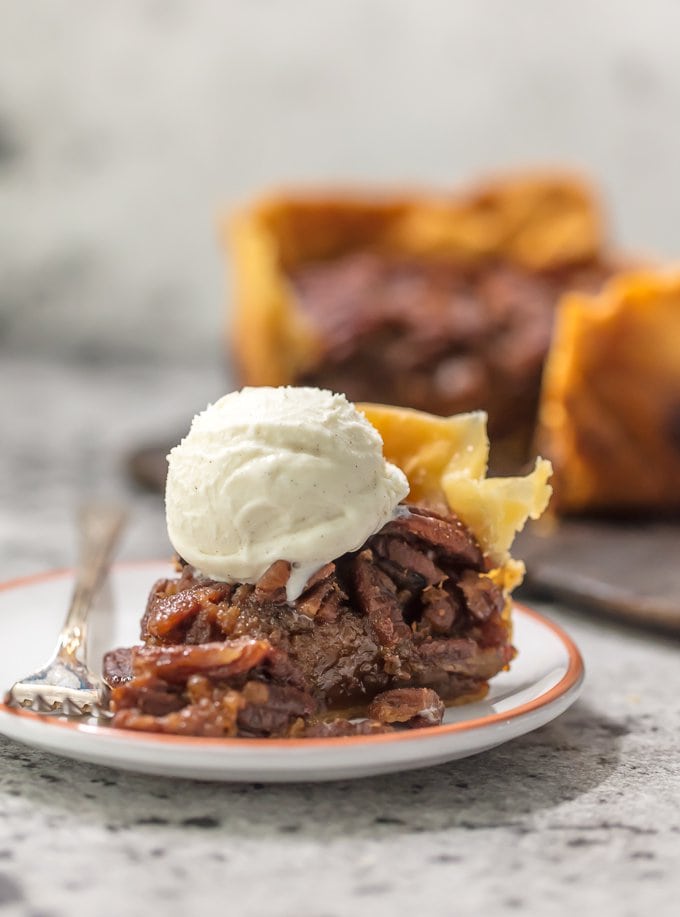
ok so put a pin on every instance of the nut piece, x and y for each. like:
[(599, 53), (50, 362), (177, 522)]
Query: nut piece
[(412, 707)]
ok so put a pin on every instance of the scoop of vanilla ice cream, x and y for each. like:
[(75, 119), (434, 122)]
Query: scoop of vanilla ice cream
[(268, 474)]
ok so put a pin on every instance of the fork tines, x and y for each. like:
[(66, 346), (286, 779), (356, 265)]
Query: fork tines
[(30, 696)]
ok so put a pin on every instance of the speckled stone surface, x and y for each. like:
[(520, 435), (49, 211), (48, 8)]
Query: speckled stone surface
[(582, 816)]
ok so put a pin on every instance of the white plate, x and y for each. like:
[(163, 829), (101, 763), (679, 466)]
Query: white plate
[(544, 680)]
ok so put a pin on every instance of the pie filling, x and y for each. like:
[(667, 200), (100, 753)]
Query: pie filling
[(436, 336), (380, 638)]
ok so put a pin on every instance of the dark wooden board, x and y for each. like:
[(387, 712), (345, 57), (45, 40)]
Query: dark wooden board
[(627, 569)]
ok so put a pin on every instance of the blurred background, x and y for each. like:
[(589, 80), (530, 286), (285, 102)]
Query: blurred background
[(128, 130)]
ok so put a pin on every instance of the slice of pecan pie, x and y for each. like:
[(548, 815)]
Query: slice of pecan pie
[(385, 636)]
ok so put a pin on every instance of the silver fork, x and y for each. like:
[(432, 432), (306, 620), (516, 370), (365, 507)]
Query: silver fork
[(66, 685)]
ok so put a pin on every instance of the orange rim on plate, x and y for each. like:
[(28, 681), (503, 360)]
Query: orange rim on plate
[(570, 680)]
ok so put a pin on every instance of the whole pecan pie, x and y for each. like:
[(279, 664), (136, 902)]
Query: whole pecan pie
[(442, 303)]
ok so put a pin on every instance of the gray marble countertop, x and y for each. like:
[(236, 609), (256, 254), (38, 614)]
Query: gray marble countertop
[(582, 815)]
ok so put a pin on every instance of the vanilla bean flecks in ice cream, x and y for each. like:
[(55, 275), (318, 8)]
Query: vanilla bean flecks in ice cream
[(267, 474)]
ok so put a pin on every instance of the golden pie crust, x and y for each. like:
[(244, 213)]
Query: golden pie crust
[(609, 416), (446, 460)]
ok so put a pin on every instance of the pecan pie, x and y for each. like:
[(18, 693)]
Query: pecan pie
[(442, 304), (380, 638)]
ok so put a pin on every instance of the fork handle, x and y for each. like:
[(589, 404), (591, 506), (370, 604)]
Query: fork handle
[(99, 528)]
